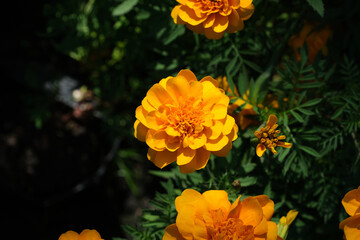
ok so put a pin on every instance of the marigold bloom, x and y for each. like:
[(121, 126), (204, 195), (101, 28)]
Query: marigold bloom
[(268, 137), (213, 17), (351, 225), (211, 216), (315, 40), (283, 225), (84, 235), (184, 120)]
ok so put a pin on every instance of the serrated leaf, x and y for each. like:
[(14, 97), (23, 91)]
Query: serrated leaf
[(124, 7), (318, 6)]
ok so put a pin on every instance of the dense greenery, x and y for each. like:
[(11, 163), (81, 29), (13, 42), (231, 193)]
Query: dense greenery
[(122, 48)]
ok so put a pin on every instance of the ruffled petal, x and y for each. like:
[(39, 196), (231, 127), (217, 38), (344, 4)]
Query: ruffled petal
[(172, 233)]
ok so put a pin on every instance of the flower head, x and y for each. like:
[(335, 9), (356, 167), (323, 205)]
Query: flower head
[(268, 138), (283, 225), (351, 225), (213, 17), (184, 120), (211, 216), (84, 235), (315, 40)]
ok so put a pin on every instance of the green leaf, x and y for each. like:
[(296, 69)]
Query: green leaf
[(318, 6), (229, 73), (305, 111), (297, 116), (309, 150), (312, 102), (289, 161), (124, 7), (175, 32), (247, 181)]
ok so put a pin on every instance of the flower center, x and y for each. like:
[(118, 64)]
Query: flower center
[(187, 118), (212, 5), (233, 228)]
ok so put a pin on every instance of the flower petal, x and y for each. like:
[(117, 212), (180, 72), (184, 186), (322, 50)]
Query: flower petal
[(140, 131), (221, 23), (185, 155), (235, 209), (351, 201), (217, 144), (284, 144), (172, 233), (271, 120), (217, 199), (88, 234), (228, 125), (272, 231), (267, 205), (188, 15), (158, 96), (188, 75), (161, 158), (69, 235), (209, 22), (260, 149), (225, 150), (251, 212), (214, 131), (245, 3), (198, 141), (200, 160), (211, 34), (261, 228), (178, 87)]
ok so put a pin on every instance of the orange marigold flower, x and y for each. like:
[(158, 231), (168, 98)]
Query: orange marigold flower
[(184, 120), (211, 216), (351, 225), (268, 137), (315, 40), (84, 235), (213, 17)]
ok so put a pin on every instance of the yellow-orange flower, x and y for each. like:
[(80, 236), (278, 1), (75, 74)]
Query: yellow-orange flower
[(315, 40), (284, 223), (211, 216), (184, 120), (213, 17), (268, 137), (84, 235), (351, 225)]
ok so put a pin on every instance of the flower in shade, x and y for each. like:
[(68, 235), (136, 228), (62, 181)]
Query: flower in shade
[(211, 216), (283, 225), (213, 17), (84, 235), (247, 116), (184, 120), (315, 40), (351, 225), (268, 138)]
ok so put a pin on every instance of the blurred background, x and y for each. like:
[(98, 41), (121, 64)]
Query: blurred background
[(74, 72)]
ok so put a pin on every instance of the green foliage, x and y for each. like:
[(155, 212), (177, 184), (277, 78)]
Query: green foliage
[(126, 46)]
